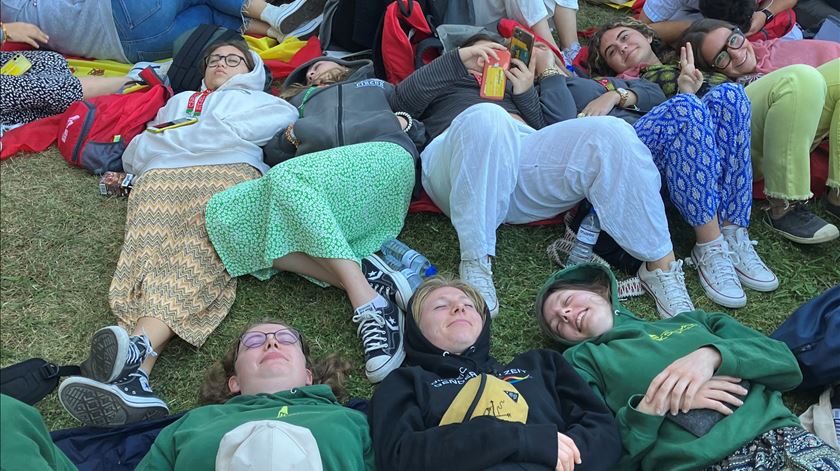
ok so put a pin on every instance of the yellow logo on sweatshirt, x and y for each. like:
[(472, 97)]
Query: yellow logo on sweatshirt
[(668, 333), (284, 411)]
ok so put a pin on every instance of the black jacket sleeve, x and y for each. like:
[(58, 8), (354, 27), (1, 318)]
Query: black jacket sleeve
[(528, 104), (556, 101), (402, 440), (419, 89), (591, 424)]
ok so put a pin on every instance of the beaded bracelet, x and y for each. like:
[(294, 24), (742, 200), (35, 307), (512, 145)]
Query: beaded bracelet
[(290, 135), (408, 119)]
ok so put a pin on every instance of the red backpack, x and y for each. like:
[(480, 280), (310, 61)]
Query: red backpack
[(404, 42), (778, 26), (93, 134)]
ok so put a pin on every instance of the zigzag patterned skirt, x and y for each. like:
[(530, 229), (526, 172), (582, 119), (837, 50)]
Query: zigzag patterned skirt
[(168, 269)]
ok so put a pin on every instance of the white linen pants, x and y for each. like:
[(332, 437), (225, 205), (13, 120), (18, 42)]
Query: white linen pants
[(487, 169)]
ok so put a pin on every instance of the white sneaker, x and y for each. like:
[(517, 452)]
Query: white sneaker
[(667, 288), (749, 267), (717, 274), (479, 273)]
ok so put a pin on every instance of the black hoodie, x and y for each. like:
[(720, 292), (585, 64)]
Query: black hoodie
[(408, 408)]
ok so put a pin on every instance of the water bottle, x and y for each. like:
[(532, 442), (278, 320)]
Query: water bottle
[(409, 258), (587, 235), (412, 276)]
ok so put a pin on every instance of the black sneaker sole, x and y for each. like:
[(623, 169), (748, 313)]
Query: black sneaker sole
[(95, 404), (402, 285), (306, 11), (108, 348)]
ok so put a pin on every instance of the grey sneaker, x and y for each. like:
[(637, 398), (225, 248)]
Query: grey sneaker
[(802, 226), (111, 405), (667, 288), (479, 273), (381, 331), (717, 274), (751, 270), (114, 354)]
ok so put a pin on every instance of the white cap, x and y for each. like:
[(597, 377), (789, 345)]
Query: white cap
[(268, 445)]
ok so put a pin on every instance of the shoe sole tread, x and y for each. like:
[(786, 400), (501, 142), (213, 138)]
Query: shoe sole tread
[(100, 407)]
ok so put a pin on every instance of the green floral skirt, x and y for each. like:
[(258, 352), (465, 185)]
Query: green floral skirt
[(339, 203)]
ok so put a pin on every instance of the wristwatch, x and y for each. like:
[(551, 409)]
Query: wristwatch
[(623, 96), (768, 14)]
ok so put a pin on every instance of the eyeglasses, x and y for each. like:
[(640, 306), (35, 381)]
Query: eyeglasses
[(735, 40), (231, 60), (256, 339)]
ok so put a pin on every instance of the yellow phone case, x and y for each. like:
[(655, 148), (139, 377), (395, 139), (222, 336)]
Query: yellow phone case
[(174, 126), (18, 65)]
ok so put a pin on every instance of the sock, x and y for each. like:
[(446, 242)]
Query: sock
[(272, 15), (718, 240), (376, 303), (729, 231)]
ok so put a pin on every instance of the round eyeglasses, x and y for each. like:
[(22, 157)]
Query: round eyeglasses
[(735, 40), (256, 339), (231, 60)]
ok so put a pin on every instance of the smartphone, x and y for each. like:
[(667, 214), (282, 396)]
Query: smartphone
[(158, 128), (493, 79), (17, 65), (521, 45)]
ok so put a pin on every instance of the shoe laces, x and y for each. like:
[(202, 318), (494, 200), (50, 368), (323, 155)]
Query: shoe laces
[(720, 260), (479, 275), (139, 347), (141, 378), (745, 255), (673, 285), (371, 329)]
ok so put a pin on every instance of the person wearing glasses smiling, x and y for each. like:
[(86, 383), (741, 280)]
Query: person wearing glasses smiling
[(784, 124), (718, 46), (266, 405), (169, 281)]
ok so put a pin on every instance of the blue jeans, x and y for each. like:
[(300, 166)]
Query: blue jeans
[(148, 28), (702, 148)]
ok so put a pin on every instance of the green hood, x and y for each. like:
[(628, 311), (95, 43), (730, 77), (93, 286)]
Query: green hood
[(581, 273)]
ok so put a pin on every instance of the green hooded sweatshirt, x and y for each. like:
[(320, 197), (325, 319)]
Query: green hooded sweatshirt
[(621, 363), (192, 442)]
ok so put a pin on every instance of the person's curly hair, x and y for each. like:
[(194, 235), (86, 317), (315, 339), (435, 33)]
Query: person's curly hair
[(597, 63), (331, 370), (737, 12)]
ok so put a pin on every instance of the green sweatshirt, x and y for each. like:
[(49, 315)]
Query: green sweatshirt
[(192, 442), (620, 364)]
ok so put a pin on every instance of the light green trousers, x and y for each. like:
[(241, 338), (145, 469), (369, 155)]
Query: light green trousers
[(793, 109)]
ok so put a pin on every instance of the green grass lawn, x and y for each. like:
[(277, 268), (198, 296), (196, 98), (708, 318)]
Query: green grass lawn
[(59, 243)]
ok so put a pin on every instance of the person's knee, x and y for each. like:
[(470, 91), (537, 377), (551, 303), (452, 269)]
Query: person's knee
[(801, 80), (483, 119)]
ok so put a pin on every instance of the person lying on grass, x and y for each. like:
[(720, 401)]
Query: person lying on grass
[(457, 407), (169, 280), (268, 406), (696, 391)]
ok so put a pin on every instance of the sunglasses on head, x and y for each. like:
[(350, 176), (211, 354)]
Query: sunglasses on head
[(735, 40), (231, 60)]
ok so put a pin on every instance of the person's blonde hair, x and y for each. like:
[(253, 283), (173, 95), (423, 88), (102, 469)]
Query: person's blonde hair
[(444, 281), (331, 370), (327, 78)]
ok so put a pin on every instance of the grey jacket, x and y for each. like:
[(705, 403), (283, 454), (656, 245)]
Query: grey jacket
[(561, 98), (354, 111)]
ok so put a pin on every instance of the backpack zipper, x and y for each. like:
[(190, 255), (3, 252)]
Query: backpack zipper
[(85, 128)]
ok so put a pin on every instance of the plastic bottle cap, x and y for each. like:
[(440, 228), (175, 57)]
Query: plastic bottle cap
[(431, 271)]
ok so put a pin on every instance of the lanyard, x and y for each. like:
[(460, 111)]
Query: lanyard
[(196, 103), (606, 84), (305, 97)]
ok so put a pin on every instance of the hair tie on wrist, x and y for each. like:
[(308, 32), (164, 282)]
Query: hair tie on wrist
[(408, 119)]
